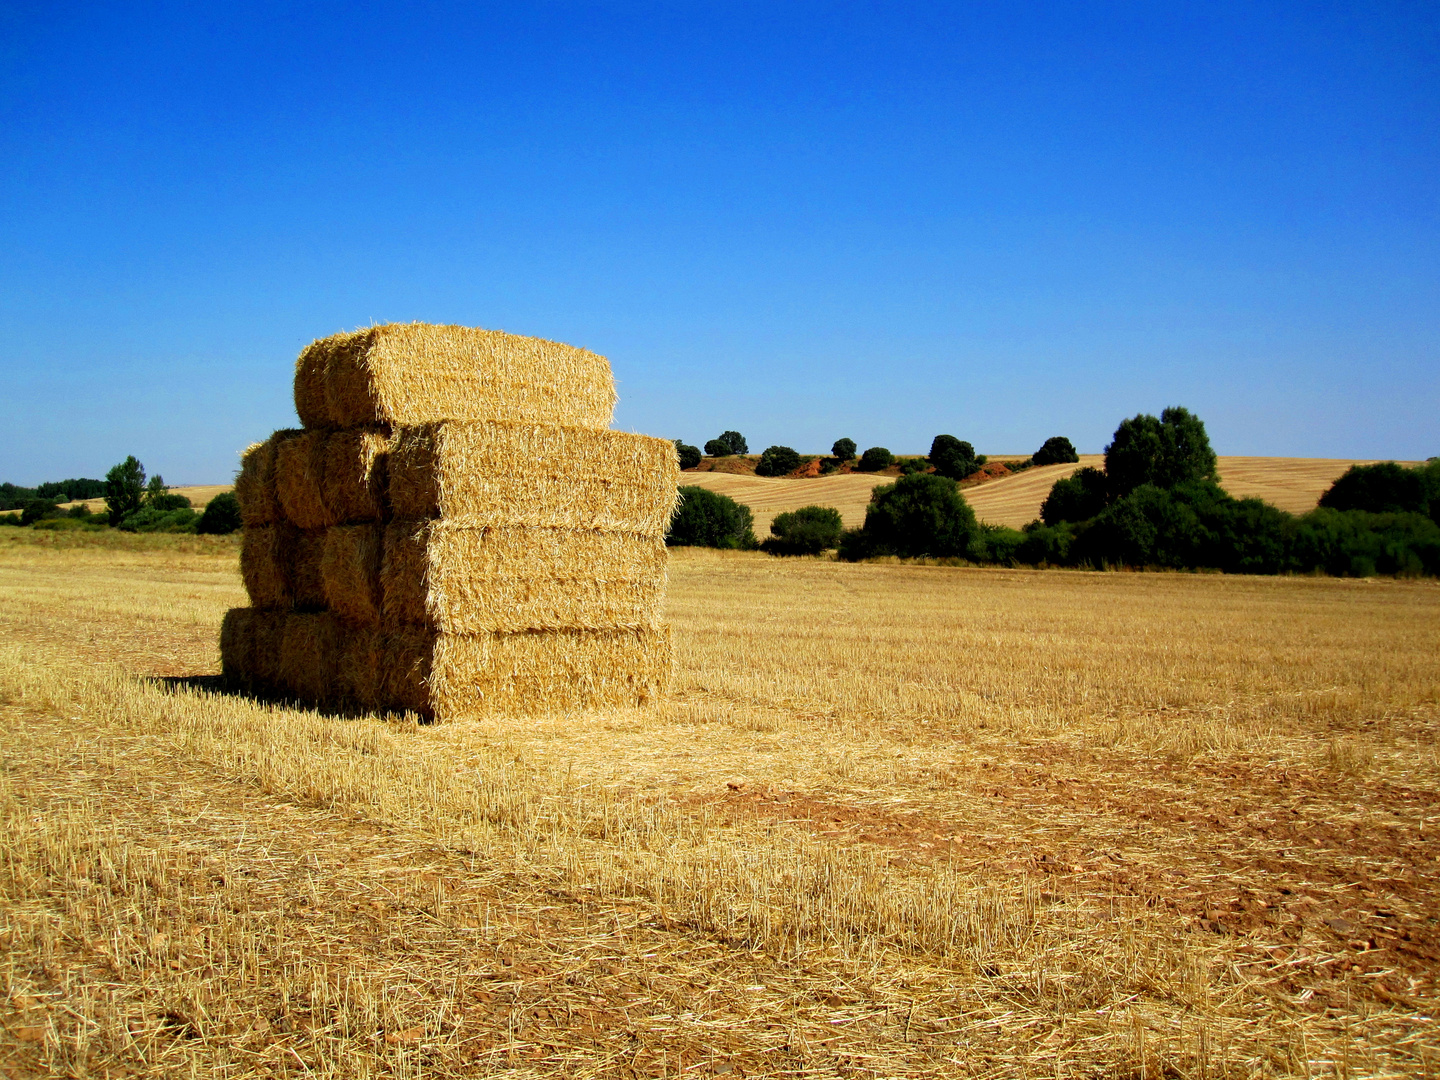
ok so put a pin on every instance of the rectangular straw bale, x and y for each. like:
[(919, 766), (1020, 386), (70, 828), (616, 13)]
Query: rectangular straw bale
[(350, 572), (353, 471), (250, 643), (309, 653), (409, 652), (479, 475), (360, 676), (468, 581), (452, 675), (416, 373), (267, 641), (300, 480), (255, 486), (266, 552), (306, 569)]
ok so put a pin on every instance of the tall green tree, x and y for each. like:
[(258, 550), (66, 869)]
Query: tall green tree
[(124, 489), (1171, 450)]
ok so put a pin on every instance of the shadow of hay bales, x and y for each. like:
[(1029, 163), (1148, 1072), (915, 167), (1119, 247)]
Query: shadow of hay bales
[(220, 686)]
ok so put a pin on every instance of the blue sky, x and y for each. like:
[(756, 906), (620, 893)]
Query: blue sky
[(882, 221)]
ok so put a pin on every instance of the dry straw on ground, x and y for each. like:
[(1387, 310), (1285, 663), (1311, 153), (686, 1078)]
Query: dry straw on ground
[(506, 474), (400, 374), (468, 581)]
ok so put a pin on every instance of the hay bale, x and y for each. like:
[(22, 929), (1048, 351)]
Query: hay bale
[(237, 633), (479, 475), (300, 480), (309, 651), (255, 485), (350, 572), (306, 569), (353, 472), (360, 673), (450, 675), (266, 643), (467, 581), (265, 564), (415, 373)]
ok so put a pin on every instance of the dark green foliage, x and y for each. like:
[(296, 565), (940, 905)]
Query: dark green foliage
[(717, 448), (875, 459), (124, 488), (913, 465), (854, 545), (9, 519), (38, 510), (1057, 450), (158, 496), (221, 516), (153, 519), (1077, 497), (807, 531), (1358, 543), (689, 455), (708, 519), (777, 461), (920, 514), (1171, 450), (1046, 544), (1387, 488), (843, 450), (733, 439), (79, 511), (14, 498), (997, 544), (59, 491), (953, 457)]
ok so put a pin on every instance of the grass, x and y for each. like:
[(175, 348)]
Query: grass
[(891, 821)]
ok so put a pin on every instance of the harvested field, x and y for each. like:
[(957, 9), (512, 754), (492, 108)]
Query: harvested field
[(1292, 484), (890, 821)]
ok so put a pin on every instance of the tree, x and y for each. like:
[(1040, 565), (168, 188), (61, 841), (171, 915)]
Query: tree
[(919, 514), (1058, 450), (843, 450), (777, 461), (718, 448), (689, 455), (734, 440), (708, 519), (158, 496), (1077, 497), (1381, 488), (875, 459), (952, 457), (807, 531), (124, 488), (38, 510), (1171, 450), (221, 516)]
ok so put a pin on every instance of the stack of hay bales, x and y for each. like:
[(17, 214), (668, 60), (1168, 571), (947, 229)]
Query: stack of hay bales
[(455, 530)]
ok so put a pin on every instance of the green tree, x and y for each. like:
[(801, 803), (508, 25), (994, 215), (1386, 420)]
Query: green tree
[(221, 516), (124, 489), (706, 518), (777, 461), (843, 450), (689, 455), (952, 457), (735, 441), (38, 510), (1058, 450), (807, 531), (919, 514), (875, 459), (1385, 487), (1077, 497), (1171, 450)]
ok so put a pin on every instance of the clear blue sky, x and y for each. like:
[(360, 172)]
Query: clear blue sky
[(884, 221)]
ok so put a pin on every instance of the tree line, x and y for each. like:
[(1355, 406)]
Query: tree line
[(132, 504)]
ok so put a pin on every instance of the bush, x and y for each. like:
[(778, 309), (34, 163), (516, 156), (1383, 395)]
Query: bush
[(875, 459), (1386, 488), (38, 510), (79, 511), (152, 519), (689, 455), (1057, 450), (727, 443), (124, 489), (777, 461), (168, 500), (1171, 450), (1046, 544), (10, 519), (953, 457), (708, 519), (221, 516), (1077, 497), (717, 448), (807, 531), (843, 450), (913, 465), (921, 514), (998, 544), (1357, 543)]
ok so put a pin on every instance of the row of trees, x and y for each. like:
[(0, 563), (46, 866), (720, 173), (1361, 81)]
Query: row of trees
[(1156, 502), (132, 503)]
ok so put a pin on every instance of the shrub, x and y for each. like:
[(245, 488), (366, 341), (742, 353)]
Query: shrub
[(168, 500), (953, 457), (777, 461), (1357, 543), (1077, 497), (124, 487), (1171, 450), (79, 511), (807, 531), (921, 514), (1046, 544), (1384, 488), (843, 450), (718, 448), (733, 440), (689, 455), (875, 459), (913, 465), (1057, 450), (153, 519), (10, 519), (38, 510), (708, 519), (998, 544), (221, 516)]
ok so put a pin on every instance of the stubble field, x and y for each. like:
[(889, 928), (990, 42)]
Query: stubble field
[(891, 821)]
